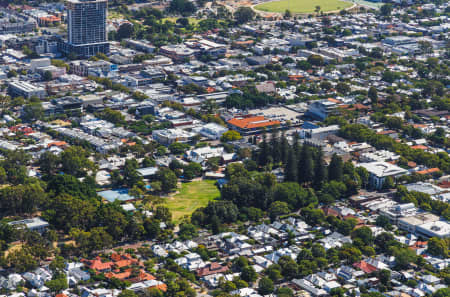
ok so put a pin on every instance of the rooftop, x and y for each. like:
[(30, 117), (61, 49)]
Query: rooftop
[(253, 122)]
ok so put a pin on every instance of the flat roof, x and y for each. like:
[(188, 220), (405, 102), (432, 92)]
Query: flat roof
[(253, 122), (440, 228), (383, 169)]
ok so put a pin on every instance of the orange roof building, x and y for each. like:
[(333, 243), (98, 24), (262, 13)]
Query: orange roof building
[(419, 147), (366, 267), (428, 171), (252, 124), (97, 264)]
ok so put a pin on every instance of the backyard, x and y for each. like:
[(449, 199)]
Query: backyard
[(191, 196), (303, 6)]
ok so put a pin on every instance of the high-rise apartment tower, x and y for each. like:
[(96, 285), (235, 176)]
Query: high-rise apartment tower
[(86, 27)]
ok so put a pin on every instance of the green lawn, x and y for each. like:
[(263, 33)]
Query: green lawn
[(303, 6), (190, 197)]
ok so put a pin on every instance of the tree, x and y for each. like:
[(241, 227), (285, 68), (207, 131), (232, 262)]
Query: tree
[(265, 286), (320, 171), (48, 163), (425, 47), (291, 167), (278, 208), (438, 247), (385, 276), (187, 231), (167, 178), (444, 292), (21, 260), (285, 292), (315, 60), (163, 214), (126, 30), (130, 176), (57, 285), (305, 165), (274, 272), (383, 221), (249, 274), (57, 265), (47, 76), (32, 111), (287, 14), (335, 169), (244, 14), (74, 161), (178, 148), (230, 135), (364, 234), (184, 7), (389, 76), (343, 88), (404, 257), (386, 9), (192, 170), (127, 293)]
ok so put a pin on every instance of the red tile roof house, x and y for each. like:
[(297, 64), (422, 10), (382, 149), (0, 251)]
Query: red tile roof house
[(366, 267), (129, 276), (118, 261), (211, 269), (98, 265)]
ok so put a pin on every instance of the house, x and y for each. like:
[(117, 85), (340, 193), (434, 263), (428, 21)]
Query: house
[(202, 154), (98, 265), (212, 268), (366, 267), (430, 279), (309, 287), (34, 224), (145, 285), (191, 261), (76, 275)]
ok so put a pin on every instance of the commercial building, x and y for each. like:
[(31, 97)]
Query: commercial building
[(212, 131), (321, 109), (177, 52), (141, 45), (67, 105), (25, 89), (379, 171), (252, 124), (319, 133), (434, 229), (86, 20), (411, 223), (169, 136), (83, 68)]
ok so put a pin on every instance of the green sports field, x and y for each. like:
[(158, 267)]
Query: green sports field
[(192, 195), (303, 6)]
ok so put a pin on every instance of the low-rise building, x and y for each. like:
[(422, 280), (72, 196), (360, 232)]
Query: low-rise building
[(252, 124), (379, 171), (34, 224), (25, 89)]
